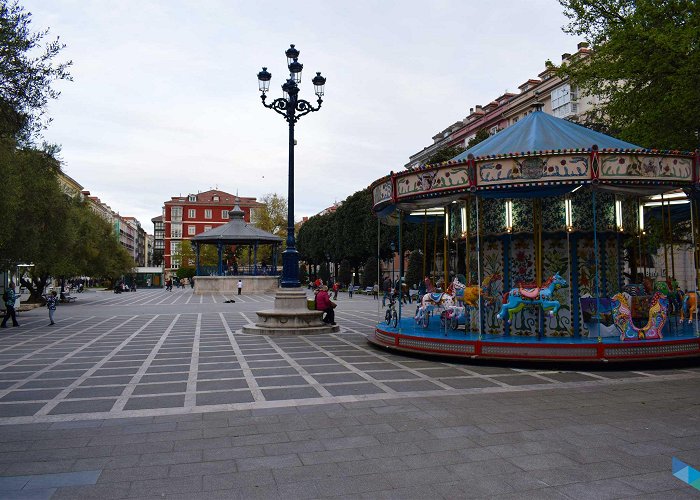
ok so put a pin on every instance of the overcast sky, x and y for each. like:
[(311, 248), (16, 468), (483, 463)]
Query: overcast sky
[(165, 96)]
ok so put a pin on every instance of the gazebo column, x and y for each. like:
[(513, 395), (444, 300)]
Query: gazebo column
[(255, 259), (219, 252), (196, 252)]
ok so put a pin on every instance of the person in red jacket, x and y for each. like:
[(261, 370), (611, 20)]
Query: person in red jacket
[(336, 287), (323, 303)]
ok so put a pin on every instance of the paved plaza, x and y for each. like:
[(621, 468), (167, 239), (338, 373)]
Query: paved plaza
[(157, 394)]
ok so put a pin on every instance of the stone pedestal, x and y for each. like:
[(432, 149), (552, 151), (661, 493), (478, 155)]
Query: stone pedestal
[(290, 316)]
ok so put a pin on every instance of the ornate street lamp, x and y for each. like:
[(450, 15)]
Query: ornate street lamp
[(291, 108)]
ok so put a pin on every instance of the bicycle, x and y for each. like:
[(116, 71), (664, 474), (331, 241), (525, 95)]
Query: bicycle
[(391, 317)]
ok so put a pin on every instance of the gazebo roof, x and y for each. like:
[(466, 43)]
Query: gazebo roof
[(539, 131), (236, 231)]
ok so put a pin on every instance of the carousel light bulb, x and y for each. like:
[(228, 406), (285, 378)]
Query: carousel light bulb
[(618, 214), (641, 218), (568, 210), (509, 215)]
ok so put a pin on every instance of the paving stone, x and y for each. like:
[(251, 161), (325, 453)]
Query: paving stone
[(159, 388), (142, 402), (215, 385), (224, 397), (86, 406), (95, 392), (281, 381), (34, 395), (19, 409), (45, 481), (290, 393)]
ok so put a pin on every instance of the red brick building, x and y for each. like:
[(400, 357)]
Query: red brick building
[(186, 216)]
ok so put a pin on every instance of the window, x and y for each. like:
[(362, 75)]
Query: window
[(207, 228), (191, 230), (176, 231), (224, 214), (192, 213), (175, 264), (207, 213), (216, 198), (561, 101), (176, 213), (174, 247), (192, 197)]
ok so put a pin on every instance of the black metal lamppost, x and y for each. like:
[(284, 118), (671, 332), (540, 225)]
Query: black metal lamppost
[(291, 108)]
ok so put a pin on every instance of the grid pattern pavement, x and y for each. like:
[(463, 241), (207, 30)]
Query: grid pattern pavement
[(158, 395), (153, 352)]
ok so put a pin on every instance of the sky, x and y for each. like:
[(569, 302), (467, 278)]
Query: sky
[(164, 99)]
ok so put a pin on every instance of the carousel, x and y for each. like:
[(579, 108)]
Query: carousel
[(552, 235)]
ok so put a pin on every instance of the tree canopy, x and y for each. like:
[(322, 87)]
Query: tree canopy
[(643, 66), (27, 72)]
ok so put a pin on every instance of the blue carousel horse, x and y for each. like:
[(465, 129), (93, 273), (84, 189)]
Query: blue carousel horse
[(515, 300)]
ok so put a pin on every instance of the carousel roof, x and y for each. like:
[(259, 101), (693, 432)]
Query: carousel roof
[(539, 131), (236, 231)]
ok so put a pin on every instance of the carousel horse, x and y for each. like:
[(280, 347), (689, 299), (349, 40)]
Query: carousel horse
[(690, 306), (622, 316), (668, 287), (432, 300), (527, 294), (470, 294)]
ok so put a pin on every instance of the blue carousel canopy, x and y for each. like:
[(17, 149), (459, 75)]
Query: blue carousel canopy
[(539, 131)]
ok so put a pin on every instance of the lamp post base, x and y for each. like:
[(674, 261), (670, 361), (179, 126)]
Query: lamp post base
[(290, 316)]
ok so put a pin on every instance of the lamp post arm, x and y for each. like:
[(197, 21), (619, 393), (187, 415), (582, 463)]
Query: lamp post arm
[(304, 107), (279, 105)]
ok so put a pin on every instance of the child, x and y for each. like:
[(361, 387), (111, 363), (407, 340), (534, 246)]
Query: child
[(51, 302)]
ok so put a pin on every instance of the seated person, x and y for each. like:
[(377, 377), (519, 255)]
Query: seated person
[(323, 303)]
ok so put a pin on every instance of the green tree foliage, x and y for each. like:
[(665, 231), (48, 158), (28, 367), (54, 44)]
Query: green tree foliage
[(60, 236), (415, 269), (345, 272), (324, 272), (270, 217), (644, 67), (444, 154), (481, 135), (369, 272), (27, 72)]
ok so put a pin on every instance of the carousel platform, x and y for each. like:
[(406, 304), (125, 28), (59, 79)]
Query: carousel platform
[(679, 341)]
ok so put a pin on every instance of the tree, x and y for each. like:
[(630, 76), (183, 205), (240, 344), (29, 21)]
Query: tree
[(444, 154), (643, 66), (414, 274), (270, 217), (27, 72), (345, 272), (481, 135), (369, 272)]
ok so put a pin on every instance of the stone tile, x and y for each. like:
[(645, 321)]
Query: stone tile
[(164, 487), (95, 392), (468, 383), (143, 402), (214, 385), (63, 479), (141, 389), (33, 395), (87, 406), (353, 389), (281, 381), (224, 397), (290, 393), (414, 386), (107, 491), (19, 409), (134, 473), (606, 488), (164, 377)]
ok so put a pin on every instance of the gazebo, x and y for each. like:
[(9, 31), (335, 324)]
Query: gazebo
[(237, 232)]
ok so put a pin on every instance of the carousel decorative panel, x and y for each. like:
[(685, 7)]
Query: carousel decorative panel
[(522, 216), (492, 281), (555, 259), (553, 214), (522, 270), (493, 216)]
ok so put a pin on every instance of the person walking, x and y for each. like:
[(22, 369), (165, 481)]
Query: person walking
[(336, 287), (51, 302), (375, 291), (323, 303), (10, 297), (240, 286), (386, 286)]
